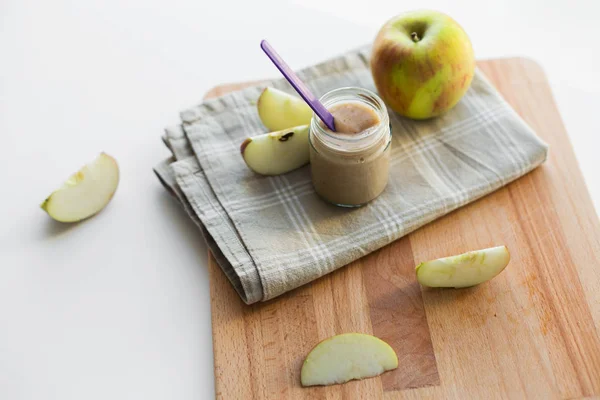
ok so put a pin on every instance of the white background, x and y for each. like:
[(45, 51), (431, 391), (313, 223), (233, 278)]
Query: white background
[(118, 306)]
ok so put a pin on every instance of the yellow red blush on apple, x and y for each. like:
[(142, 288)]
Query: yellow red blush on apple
[(422, 63)]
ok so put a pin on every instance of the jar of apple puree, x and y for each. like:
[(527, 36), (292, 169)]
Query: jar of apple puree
[(350, 167)]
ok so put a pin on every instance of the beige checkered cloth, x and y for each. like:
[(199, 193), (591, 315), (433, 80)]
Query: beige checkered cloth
[(273, 234)]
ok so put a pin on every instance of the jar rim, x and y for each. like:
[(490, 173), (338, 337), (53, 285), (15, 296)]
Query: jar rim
[(345, 95)]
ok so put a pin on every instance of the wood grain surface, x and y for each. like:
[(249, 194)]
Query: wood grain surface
[(532, 332)]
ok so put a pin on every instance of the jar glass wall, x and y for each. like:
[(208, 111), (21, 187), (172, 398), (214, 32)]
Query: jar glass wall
[(351, 169)]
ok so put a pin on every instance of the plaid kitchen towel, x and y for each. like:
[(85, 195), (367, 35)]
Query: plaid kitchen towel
[(273, 234)]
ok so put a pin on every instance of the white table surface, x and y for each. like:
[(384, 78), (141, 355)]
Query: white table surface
[(118, 306)]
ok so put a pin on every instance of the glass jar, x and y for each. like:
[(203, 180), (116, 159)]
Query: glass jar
[(349, 170)]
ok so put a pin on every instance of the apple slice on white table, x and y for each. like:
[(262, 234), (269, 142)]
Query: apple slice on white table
[(278, 110), (463, 270), (86, 192), (345, 357), (276, 153)]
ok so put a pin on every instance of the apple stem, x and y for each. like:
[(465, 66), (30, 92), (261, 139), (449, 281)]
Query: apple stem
[(414, 37)]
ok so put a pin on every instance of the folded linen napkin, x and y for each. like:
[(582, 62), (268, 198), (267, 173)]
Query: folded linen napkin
[(273, 234)]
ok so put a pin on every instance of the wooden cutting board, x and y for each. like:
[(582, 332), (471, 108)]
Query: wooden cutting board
[(532, 332)]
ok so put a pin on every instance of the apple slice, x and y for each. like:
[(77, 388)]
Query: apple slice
[(345, 357), (279, 110), (86, 192), (277, 152), (463, 270)]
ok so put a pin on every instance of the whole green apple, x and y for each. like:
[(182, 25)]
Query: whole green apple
[(422, 63)]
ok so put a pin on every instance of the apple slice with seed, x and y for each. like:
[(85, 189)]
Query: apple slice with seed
[(278, 110), (86, 192), (276, 153), (345, 357), (463, 270)]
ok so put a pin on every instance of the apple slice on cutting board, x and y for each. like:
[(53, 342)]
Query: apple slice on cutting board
[(463, 270), (276, 153), (345, 357), (278, 110), (86, 192)]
